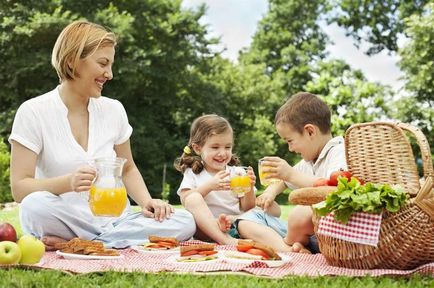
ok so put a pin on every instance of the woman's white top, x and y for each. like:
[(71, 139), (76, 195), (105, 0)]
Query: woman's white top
[(41, 125)]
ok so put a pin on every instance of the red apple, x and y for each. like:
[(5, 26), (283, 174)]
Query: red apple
[(333, 181), (7, 232), (320, 182)]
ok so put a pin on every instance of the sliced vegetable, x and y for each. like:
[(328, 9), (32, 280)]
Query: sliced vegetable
[(259, 252), (206, 253), (244, 248)]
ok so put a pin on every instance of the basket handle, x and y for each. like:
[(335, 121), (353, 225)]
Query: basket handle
[(424, 148), (425, 197)]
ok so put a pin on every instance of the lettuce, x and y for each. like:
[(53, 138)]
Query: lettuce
[(351, 197)]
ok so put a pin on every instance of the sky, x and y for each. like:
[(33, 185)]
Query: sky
[(235, 21)]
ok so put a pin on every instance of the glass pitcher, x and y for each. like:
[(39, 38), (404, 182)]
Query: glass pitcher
[(107, 195)]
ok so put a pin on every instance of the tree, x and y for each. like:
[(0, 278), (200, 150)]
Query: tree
[(418, 56), (378, 22), (351, 98), (288, 40), (159, 45)]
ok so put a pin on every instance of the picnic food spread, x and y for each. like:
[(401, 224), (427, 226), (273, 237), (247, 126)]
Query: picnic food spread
[(197, 253), (161, 243), (248, 249), (85, 247)]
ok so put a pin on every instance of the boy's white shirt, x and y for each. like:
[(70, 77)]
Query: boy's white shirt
[(219, 201), (331, 158)]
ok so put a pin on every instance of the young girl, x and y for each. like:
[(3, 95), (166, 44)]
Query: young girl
[(206, 163)]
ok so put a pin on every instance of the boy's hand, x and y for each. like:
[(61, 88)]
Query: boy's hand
[(220, 181), (265, 200), (278, 168)]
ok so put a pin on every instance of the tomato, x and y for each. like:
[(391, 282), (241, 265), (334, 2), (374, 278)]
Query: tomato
[(189, 253), (244, 248), (206, 253), (358, 179), (320, 182), (259, 252), (165, 244), (333, 180)]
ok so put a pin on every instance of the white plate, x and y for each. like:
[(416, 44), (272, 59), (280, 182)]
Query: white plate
[(172, 259), (87, 257), (142, 249), (270, 263)]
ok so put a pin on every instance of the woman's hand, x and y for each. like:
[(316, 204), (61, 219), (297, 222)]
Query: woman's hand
[(82, 178), (220, 181), (158, 209)]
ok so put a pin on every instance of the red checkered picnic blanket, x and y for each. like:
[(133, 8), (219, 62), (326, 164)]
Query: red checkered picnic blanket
[(300, 264), (363, 228)]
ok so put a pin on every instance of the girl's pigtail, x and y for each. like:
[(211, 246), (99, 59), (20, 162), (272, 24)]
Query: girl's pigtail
[(188, 159), (235, 161)]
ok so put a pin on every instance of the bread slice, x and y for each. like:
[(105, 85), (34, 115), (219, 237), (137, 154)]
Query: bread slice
[(155, 239), (267, 249), (242, 255)]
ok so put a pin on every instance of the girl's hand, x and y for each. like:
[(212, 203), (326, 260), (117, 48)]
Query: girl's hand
[(277, 168), (265, 200), (158, 209), (251, 175), (82, 178), (220, 181)]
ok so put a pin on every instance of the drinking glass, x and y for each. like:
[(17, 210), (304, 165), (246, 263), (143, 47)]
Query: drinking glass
[(265, 181), (240, 181)]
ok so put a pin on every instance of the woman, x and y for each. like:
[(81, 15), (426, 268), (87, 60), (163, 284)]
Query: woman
[(56, 135)]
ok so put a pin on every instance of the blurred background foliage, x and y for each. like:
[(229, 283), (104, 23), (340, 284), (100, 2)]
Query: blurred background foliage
[(167, 72)]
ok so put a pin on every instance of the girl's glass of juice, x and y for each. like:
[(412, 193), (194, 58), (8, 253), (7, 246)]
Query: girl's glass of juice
[(240, 181)]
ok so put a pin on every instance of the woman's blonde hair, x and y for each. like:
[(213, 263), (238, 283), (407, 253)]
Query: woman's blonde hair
[(202, 128), (77, 41)]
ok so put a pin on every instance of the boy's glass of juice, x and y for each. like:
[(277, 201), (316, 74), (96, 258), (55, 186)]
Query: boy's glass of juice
[(262, 175)]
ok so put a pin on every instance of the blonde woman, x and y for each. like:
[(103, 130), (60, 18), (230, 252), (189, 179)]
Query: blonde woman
[(56, 134)]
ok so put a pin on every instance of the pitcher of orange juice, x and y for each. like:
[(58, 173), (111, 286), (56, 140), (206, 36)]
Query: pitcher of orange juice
[(107, 195)]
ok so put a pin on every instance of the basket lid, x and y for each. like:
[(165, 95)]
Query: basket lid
[(380, 152)]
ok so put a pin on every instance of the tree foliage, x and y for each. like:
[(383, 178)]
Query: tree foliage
[(166, 73), (378, 22)]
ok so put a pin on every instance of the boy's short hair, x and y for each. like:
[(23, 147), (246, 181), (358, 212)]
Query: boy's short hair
[(304, 108), (77, 41)]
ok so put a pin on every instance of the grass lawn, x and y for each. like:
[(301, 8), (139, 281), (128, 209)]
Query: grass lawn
[(43, 278)]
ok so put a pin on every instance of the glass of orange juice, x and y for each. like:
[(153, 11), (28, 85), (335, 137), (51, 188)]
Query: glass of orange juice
[(240, 181), (262, 175), (107, 195)]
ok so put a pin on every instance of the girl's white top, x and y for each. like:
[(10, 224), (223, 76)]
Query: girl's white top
[(218, 201)]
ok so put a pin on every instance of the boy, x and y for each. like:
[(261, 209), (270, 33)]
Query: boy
[(304, 123)]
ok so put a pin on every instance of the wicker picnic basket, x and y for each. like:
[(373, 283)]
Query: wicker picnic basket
[(380, 152)]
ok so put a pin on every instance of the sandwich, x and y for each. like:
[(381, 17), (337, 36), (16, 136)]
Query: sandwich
[(161, 243), (248, 249), (197, 253)]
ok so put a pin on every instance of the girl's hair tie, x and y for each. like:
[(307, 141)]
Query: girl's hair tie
[(187, 150)]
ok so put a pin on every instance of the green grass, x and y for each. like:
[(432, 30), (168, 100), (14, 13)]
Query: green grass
[(48, 278), (29, 278)]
